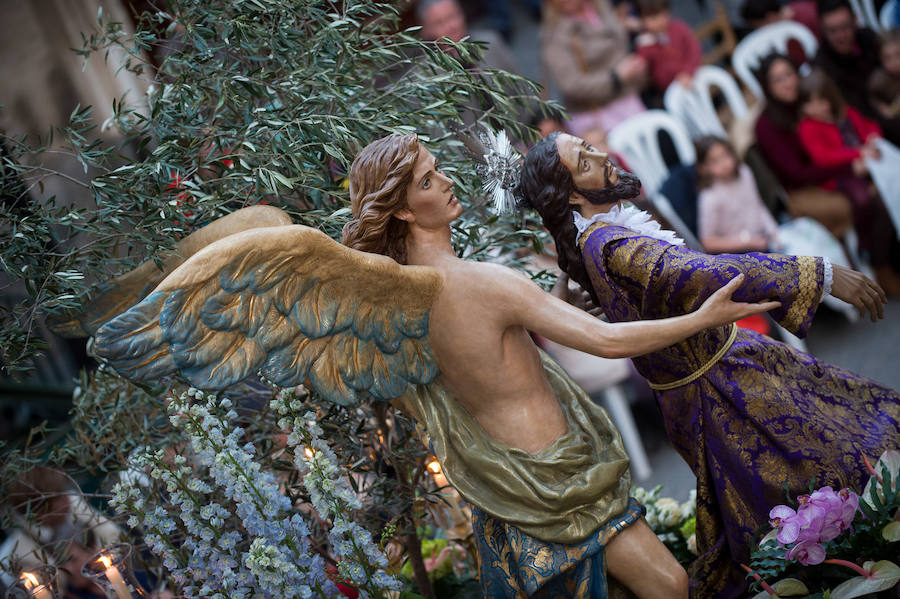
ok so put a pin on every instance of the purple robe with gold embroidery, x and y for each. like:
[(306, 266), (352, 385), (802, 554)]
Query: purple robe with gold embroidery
[(763, 414)]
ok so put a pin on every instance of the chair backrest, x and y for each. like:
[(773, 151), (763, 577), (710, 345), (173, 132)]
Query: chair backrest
[(866, 15), (772, 38), (695, 106), (719, 30), (888, 15), (637, 140), (664, 207)]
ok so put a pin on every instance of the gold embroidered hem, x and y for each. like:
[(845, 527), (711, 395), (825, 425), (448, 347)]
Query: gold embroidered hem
[(561, 494), (703, 369), (515, 565), (808, 291)]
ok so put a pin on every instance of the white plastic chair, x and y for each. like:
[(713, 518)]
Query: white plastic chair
[(600, 375), (637, 140), (865, 12), (695, 106), (772, 38), (887, 14)]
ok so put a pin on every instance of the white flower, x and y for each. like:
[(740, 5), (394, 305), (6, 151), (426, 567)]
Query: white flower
[(689, 507), (669, 511)]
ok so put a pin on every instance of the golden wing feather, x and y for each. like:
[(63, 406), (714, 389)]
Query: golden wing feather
[(287, 302)]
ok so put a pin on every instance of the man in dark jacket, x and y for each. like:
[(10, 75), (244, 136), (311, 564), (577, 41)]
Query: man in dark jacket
[(848, 53)]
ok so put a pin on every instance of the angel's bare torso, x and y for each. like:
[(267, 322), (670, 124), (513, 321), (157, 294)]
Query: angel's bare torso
[(487, 360)]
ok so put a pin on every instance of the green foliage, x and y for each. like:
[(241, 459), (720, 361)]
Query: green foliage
[(449, 581), (251, 101)]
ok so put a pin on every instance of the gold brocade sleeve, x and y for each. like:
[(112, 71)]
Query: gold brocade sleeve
[(667, 280)]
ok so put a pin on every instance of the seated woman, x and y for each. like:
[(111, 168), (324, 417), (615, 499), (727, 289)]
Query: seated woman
[(780, 146)]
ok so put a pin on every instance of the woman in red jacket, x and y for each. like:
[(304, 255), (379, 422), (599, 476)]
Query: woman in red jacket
[(835, 135)]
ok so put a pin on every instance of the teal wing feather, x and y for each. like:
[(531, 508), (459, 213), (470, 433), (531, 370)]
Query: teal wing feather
[(288, 303)]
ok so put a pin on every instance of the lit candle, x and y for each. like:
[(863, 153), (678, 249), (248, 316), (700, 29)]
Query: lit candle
[(115, 578), (33, 586), (439, 477)]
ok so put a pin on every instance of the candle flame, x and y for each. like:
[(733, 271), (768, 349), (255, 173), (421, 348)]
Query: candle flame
[(30, 579), (434, 466), (309, 453), (106, 561)]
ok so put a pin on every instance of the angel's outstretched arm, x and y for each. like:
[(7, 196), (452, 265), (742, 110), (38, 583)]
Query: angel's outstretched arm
[(529, 306)]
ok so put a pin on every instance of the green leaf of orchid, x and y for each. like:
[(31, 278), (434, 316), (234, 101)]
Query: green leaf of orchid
[(771, 536), (888, 462), (788, 587)]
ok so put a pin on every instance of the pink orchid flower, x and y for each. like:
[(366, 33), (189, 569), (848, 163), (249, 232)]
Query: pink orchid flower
[(849, 505), (807, 553), (820, 517), (787, 522)]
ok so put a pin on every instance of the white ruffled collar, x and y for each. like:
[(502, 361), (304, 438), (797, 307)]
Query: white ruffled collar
[(629, 217)]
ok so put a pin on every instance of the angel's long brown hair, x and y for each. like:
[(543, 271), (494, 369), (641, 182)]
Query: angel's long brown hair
[(378, 180)]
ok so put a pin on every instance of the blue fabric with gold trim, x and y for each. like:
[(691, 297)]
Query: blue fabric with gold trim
[(514, 564)]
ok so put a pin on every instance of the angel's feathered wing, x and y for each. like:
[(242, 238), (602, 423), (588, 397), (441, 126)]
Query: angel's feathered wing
[(114, 297), (287, 302)]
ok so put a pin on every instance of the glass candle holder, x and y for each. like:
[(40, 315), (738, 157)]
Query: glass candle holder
[(38, 583), (111, 570)]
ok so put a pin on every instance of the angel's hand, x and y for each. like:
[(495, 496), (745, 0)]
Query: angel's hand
[(720, 309), (582, 300), (561, 287), (575, 295)]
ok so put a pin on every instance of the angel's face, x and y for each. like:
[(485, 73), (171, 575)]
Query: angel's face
[(430, 202)]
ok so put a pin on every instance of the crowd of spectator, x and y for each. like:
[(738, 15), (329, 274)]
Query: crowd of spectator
[(813, 135)]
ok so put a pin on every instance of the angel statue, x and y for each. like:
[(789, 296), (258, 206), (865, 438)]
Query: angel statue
[(394, 315), (748, 414)]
